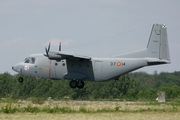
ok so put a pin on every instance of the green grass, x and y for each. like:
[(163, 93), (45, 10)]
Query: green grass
[(11, 107)]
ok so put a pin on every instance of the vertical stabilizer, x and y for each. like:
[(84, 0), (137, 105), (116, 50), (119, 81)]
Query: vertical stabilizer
[(158, 43)]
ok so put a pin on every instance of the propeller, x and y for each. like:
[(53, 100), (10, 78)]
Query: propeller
[(52, 55), (48, 49)]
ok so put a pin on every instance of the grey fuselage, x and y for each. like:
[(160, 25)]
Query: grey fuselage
[(96, 69)]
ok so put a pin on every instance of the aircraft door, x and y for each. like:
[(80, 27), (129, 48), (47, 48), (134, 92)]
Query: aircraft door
[(98, 70)]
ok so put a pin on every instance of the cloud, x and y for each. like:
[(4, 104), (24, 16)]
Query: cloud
[(56, 41)]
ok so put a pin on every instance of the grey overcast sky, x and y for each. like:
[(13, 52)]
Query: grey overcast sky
[(100, 28)]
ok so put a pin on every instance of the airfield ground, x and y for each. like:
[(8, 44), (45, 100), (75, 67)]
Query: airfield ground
[(92, 116), (86, 110)]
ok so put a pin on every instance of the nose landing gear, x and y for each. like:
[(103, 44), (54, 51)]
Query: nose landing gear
[(79, 84), (20, 79)]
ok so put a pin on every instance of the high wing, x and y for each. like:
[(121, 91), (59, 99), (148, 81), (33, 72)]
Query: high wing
[(62, 55), (70, 56)]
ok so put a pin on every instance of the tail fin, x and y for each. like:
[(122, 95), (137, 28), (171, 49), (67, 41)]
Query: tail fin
[(157, 46), (158, 43)]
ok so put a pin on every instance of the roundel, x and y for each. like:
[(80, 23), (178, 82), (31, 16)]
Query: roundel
[(118, 64), (26, 67)]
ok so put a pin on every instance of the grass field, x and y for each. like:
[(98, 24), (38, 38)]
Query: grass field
[(89, 110), (91, 116)]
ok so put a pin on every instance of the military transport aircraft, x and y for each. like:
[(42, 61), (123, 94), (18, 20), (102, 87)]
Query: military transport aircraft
[(77, 68)]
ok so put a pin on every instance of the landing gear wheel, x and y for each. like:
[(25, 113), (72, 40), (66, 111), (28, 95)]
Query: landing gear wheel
[(73, 84), (20, 79), (80, 84)]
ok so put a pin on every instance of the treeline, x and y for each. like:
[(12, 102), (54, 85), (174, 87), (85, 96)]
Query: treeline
[(133, 86)]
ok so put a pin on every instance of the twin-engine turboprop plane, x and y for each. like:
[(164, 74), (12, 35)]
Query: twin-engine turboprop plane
[(77, 68)]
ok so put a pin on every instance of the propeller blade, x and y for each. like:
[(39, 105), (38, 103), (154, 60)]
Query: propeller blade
[(46, 51), (49, 47), (60, 46)]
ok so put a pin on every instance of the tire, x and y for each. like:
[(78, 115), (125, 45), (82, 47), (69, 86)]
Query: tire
[(73, 84), (80, 84), (20, 79)]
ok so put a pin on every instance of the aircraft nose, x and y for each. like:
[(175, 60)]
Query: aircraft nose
[(13, 67), (16, 68)]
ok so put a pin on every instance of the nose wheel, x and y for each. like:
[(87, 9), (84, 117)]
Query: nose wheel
[(78, 84), (20, 79)]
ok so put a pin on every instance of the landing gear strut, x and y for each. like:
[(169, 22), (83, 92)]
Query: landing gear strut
[(20, 79), (74, 84)]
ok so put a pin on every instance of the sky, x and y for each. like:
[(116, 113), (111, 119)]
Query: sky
[(100, 28)]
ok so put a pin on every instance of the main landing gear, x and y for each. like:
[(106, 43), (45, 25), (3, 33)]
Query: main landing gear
[(74, 84)]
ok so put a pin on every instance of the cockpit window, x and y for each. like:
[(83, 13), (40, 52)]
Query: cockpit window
[(30, 60)]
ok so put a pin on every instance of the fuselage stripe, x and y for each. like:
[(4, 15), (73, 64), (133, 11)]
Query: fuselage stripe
[(49, 68)]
